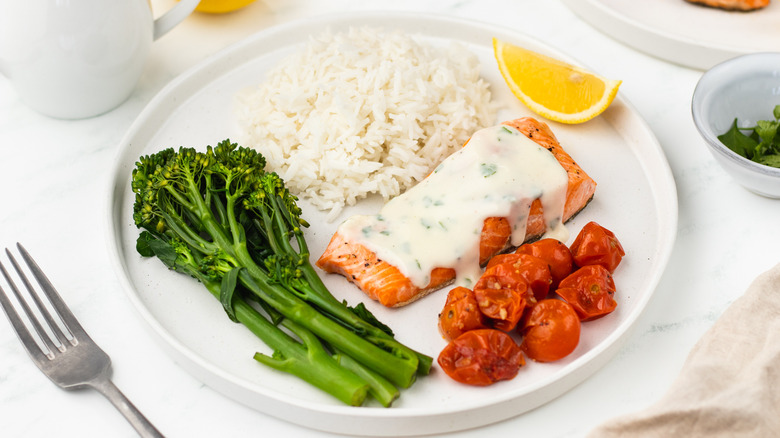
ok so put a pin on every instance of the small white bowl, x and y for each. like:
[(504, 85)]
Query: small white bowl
[(747, 88)]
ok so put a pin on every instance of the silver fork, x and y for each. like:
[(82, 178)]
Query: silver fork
[(63, 350)]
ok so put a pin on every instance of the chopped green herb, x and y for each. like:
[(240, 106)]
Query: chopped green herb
[(487, 169), (758, 143), (428, 201)]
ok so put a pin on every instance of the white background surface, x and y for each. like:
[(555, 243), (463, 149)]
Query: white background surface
[(54, 177)]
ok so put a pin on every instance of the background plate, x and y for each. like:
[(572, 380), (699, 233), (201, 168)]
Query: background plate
[(636, 198), (681, 32)]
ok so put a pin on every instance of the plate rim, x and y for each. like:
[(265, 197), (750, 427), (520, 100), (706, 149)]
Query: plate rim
[(323, 415), (678, 49)]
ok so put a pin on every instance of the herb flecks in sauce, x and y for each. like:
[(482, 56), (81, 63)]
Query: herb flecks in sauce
[(438, 223), (488, 169)]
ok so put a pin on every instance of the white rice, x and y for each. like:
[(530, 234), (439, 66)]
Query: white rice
[(362, 112)]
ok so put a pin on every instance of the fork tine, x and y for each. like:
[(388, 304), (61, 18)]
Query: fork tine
[(21, 330), (59, 305), (57, 338), (49, 343)]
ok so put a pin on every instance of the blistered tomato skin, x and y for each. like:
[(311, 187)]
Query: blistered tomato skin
[(481, 357), (551, 331), (460, 314), (590, 290), (596, 245), (557, 255), (502, 294), (534, 270), (502, 258)]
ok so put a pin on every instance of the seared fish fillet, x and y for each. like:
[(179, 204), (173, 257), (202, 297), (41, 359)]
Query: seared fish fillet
[(384, 282), (733, 5)]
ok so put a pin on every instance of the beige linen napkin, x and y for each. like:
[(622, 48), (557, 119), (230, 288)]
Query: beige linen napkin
[(729, 385)]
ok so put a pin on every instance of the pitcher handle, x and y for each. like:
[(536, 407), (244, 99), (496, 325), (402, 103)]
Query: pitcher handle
[(173, 17)]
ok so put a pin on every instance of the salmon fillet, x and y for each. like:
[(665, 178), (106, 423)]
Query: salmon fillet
[(733, 5), (385, 283)]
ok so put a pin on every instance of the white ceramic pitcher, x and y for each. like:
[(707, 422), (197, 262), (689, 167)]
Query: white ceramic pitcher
[(75, 59)]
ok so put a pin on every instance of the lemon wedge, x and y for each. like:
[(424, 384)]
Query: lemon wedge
[(552, 88), (221, 6)]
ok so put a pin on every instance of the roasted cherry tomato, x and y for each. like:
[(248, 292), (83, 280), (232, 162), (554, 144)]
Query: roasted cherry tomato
[(502, 258), (596, 245), (502, 295), (590, 290), (555, 253), (534, 270), (481, 357), (460, 314), (551, 330)]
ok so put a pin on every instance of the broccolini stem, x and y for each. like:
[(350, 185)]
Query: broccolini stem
[(324, 300), (236, 230), (379, 388), (275, 240), (308, 361), (187, 234), (401, 371)]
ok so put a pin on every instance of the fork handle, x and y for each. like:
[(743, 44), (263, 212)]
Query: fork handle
[(144, 428)]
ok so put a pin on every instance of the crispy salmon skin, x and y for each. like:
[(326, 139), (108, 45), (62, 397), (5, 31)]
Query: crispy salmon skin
[(385, 283), (733, 5)]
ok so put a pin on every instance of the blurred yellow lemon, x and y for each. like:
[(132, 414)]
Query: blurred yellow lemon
[(552, 88), (221, 6)]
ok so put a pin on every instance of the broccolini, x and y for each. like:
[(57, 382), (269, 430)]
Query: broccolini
[(221, 218)]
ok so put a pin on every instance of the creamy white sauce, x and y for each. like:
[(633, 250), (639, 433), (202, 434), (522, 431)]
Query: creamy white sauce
[(438, 223)]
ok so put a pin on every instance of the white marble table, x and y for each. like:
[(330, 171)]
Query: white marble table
[(54, 178)]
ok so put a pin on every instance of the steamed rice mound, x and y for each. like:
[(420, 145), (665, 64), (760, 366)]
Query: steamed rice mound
[(363, 112)]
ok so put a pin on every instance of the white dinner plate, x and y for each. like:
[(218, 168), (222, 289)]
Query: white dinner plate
[(635, 198), (681, 32)]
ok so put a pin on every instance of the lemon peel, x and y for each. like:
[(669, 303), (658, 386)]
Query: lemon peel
[(221, 6), (552, 88)]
